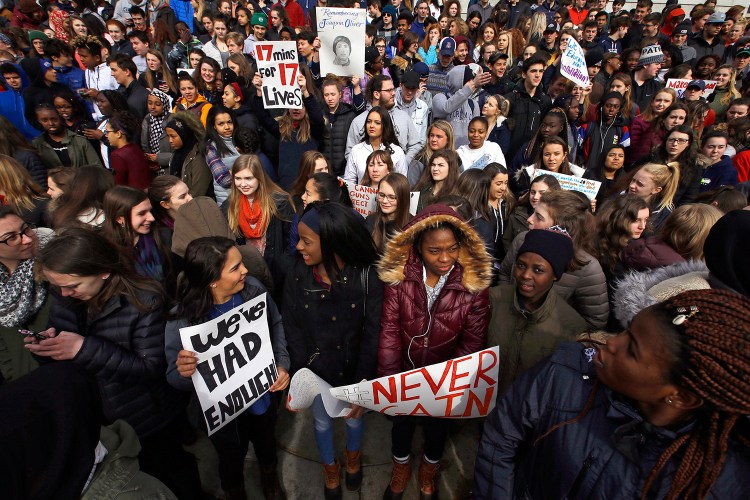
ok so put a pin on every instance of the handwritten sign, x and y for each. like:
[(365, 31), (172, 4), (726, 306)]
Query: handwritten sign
[(235, 361), (573, 64), (364, 198), (342, 41), (279, 67), (306, 386), (681, 84), (463, 387), (573, 183)]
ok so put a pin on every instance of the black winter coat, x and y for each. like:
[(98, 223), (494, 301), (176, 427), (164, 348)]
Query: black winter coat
[(334, 140), (607, 454), (333, 332), (526, 114), (123, 348)]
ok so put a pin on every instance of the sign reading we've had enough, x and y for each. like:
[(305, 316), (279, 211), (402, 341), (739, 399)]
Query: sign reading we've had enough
[(235, 361), (278, 66)]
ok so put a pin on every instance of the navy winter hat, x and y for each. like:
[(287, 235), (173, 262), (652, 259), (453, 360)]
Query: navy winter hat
[(553, 245)]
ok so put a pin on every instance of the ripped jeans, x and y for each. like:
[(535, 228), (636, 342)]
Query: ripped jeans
[(323, 426)]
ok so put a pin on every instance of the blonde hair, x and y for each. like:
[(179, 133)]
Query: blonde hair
[(266, 194), (687, 228), (667, 177), (19, 188), (733, 93)]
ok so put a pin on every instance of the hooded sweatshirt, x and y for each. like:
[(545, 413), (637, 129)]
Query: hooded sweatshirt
[(38, 92), (13, 107), (418, 110), (459, 105)]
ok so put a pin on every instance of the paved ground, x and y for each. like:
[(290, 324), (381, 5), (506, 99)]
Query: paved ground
[(301, 471)]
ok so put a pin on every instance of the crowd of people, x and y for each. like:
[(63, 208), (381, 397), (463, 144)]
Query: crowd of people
[(145, 188)]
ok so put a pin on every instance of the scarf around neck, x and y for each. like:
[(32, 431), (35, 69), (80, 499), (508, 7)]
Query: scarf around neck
[(20, 296), (252, 222), (156, 130)]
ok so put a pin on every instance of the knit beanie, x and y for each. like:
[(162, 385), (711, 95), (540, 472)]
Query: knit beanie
[(553, 245), (371, 53), (390, 9), (650, 54), (259, 19), (37, 35), (727, 249)]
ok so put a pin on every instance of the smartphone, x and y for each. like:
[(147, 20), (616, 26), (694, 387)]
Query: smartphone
[(82, 91), (29, 333)]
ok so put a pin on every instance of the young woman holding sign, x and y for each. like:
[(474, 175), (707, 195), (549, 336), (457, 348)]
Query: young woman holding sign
[(435, 308), (215, 282), (331, 309), (110, 321)]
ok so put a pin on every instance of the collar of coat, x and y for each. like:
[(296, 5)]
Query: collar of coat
[(474, 260)]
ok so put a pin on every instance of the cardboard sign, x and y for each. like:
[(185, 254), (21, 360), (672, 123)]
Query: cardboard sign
[(573, 64), (278, 66), (235, 361), (572, 183), (463, 387), (342, 41), (364, 198), (306, 386), (680, 85)]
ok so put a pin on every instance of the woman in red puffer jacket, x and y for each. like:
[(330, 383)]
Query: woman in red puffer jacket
[(435, 308)]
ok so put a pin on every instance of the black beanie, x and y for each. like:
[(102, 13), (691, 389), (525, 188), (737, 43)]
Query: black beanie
[(727, 251), (612, 95), (553, 245)]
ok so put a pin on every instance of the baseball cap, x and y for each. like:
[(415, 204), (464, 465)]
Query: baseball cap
[(716, 18), (447, 46), (371, 53), (682, 29), (697, 83), (422, 69), (551, 27), (411, 79), (594, 58), (45, 64), (743, 52), (259, 19)]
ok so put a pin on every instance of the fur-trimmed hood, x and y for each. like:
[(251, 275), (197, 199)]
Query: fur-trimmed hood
[(473, 257), (639, 290)]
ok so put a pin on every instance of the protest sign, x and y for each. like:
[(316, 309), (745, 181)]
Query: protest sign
[(572, 183), (342, 41), (278, 66), (364, 198), (235, 361), (306, 386), (413, 202), (680, 84), (573, 64), (458, 388)]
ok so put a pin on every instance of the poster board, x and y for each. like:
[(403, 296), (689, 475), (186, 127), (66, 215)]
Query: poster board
[(278, 65), (463, 387), (680, 85), (573, 64), (572, 183), (306, 386), (342, 41), (235, 361)]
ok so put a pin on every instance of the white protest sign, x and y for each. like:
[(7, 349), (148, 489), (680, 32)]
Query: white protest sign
[(458, 388), (364, 198), (306, 386), (572, 183), (680, 85), (235, 361), (342, 41), (278, 66), (413, 202), (573, 64)]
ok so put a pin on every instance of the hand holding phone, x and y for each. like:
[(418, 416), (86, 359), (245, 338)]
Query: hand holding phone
[(30, 334)]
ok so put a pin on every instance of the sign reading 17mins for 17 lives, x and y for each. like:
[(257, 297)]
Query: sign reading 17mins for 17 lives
[(278, 66)]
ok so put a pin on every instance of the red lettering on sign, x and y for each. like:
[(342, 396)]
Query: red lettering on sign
[(483, 407), (405, 387), (433, 386), (449, 402), (455, 376), (419, 410), (377, 389), (481, 370)]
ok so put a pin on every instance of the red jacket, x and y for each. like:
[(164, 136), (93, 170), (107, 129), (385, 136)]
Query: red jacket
[(457, 323), (294, 11), (578, 18), (742, 164), (130, 167)]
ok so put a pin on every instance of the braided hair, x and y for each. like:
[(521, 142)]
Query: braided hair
[(712, 352)]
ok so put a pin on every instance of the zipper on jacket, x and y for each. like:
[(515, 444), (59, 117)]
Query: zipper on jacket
[(580, 477)]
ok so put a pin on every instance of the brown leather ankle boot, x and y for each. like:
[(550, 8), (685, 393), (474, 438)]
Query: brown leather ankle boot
[(353, 470), (332, 475), (399, 480), (427, 483)]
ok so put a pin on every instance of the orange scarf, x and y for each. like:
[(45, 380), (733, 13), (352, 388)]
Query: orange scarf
[(252, 222)]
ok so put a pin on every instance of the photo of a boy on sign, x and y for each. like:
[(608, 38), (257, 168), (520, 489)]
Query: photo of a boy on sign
[(342, 49)]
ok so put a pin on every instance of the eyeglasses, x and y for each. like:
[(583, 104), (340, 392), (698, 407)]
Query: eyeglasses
[(109, 130), (380, 46), (14, 239), (674, 140), (390, 197), (392, 89)]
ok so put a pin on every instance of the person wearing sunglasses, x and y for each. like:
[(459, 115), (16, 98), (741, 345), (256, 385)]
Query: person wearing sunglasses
[(23, 299)]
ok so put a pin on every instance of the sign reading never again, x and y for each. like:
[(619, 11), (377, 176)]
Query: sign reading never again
[(235, 361)]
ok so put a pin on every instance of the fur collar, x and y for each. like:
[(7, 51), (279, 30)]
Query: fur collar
[(472, 256)]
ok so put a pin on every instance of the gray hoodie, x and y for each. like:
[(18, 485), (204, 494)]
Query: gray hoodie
[(457, 106), (122, 9)]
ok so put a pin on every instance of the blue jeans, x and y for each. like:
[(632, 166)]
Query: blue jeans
[(323, 425)]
